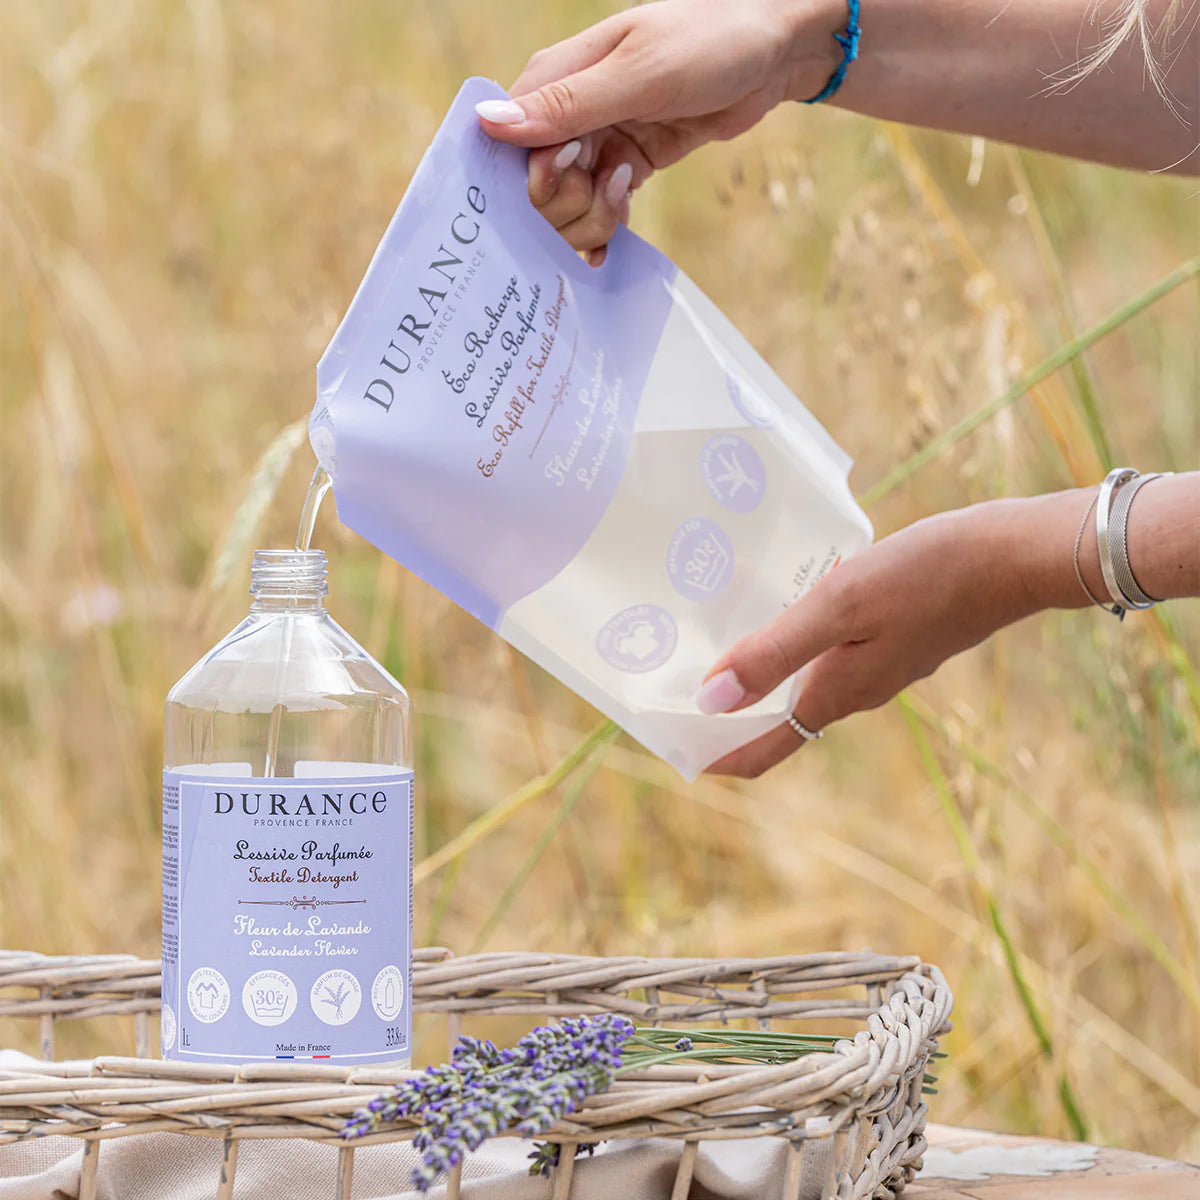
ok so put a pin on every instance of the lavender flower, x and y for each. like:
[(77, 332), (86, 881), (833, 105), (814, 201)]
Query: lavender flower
[(483, 1091), (685, 1043), (546, 1155)]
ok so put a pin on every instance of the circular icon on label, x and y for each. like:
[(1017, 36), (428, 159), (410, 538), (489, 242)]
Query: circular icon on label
[(638, 639), (733, 472), (335, 997), (387, 993), (208, 994), (269, 997), (752, 406), (700, 559), (167, 1026)]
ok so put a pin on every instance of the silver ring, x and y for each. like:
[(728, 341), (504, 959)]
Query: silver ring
[(806, 734)]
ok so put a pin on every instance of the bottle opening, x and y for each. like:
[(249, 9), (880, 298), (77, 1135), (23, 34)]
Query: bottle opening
[(283, 574)]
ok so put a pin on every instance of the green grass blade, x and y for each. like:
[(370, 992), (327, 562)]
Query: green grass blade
[(488, 822), (1036, 221), (970, 856), (1064, 354), (578, 783), (1064, 841), (1177, 656)]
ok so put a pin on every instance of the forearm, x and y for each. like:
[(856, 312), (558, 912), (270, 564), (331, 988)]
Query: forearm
[(1163, 536), (987, 67)]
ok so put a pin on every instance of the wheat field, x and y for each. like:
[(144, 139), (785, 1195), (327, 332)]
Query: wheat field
[(190, 194)]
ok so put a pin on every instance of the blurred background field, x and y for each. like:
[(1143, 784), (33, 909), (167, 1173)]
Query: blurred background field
[(191, 193)]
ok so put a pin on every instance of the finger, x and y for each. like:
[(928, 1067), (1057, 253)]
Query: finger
[(592, 144), (565, 108), (759, 756), (571, 200), (595, 258), (617, 148), (847, 679), (757, 664), (546, 167), (599, 223)]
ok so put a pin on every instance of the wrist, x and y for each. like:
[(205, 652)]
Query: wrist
[(810, 53), (1004, 548), (1034, 540), (1044, 533)]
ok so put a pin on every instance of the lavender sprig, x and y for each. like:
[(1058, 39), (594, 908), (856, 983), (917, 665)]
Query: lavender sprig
[(484, 1091)]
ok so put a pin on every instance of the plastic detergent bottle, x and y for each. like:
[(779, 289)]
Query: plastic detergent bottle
[(287, 839)]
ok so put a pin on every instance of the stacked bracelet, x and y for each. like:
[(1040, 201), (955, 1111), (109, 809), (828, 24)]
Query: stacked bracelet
[(1112, 504), (1127, 587), (1112, 481)]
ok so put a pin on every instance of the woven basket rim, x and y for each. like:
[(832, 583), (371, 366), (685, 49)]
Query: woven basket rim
[(112, 1096)]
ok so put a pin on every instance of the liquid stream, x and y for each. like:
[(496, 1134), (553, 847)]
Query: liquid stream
[(318, 486)]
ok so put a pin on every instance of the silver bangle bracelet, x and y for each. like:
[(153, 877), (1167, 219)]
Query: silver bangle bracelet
[(1104, 502), (1131, 593), (1116, 610)]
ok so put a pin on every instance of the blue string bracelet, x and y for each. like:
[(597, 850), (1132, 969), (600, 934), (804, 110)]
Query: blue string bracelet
[(848, 40)]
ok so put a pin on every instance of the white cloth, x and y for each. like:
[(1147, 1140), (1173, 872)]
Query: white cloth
[(169, 1166)]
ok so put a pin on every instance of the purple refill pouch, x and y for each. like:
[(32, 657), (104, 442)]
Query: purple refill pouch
[(592, 461)]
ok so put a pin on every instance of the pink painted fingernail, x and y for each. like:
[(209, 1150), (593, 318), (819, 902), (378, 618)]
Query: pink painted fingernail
[(587, 156), (501, 112), (720, 693), (567, 155), (618, 184)]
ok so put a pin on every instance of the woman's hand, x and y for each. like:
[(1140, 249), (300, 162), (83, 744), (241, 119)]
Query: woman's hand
[(894, 613), (638, 91), (641, 89), (891, 615)]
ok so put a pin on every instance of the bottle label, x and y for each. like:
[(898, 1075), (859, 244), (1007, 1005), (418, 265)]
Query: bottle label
[(287, 918)]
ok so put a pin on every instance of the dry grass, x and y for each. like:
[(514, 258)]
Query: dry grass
[(190, 195)]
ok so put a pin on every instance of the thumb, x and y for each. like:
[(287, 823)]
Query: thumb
[(755, 666), (562, 109)]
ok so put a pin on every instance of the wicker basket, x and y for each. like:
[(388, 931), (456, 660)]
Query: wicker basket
[(853, 1118)]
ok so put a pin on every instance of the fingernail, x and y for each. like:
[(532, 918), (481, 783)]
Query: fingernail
[(623, 208), (587, 156), (618, 184), (501, 112), (567, 155), (720, 693)]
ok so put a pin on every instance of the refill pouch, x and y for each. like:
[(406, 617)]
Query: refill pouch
[(592, 461)]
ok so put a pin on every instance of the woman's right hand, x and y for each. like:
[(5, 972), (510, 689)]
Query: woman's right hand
[(643, 88)]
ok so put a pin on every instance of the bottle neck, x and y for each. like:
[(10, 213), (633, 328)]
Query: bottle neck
[(288, 581), (267, 605)]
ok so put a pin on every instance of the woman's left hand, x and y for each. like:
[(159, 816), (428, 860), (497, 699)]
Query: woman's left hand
[(893, 614), (604, 109)]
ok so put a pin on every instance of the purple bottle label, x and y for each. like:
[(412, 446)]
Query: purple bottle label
[(287, 929)]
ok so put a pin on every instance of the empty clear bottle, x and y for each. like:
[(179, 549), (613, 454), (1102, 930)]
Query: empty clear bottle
[(287, 839)]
